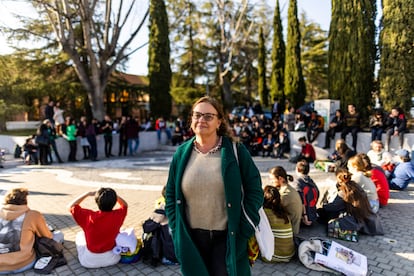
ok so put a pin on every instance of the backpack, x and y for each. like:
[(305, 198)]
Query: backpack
[(310, 194), (157, 244), (17, 151), (50, 255)]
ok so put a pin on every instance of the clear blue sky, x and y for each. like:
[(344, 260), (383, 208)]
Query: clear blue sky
[(318, 11)]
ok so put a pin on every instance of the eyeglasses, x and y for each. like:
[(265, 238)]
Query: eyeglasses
[(207, 116)]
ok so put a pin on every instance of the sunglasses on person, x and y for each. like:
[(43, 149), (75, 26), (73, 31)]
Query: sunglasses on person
[(206, 116)]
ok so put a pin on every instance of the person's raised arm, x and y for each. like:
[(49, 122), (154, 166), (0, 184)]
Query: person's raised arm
[(80, 198), (122, 202)]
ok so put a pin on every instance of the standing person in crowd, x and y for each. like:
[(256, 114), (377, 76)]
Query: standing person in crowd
[(132, 135), (107, 127), (20, 226), (356, 167), (396, 126), (71, 132), (379, 178), (280, 224), (289, 197), (96, 242), (376, 152), (49, 112), (123, 140), (277, 109), (377, 125), (84, 141), (204, 196), (90, 133), (352, 124), (315, 126), (336, 125), (308, 192), (58, 116), (52, 141), (43, 142), (403, 173), (289, 119), (307, 152)]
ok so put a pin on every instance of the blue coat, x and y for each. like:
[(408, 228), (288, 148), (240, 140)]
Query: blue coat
[(239, 229)]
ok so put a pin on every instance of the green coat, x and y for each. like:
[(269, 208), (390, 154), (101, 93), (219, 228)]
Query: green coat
[(239, 229)]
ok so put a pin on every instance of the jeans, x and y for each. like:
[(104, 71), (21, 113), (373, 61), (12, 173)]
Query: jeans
[(108, 145), (376, 133), (133, 144)]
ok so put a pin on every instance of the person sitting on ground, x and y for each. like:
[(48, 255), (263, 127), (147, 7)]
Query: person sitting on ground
[(282, 144), (356, 167), (376, 152), (267, 145), (388, 164), (19, 225), (403, 173), (100, 228), (351, 199), (280, 224), (344, 153), (308, 192), (289, 197), (30, 152), (307, 152), (379, 178)]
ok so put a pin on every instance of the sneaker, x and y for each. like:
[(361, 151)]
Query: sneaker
[(165, 261)]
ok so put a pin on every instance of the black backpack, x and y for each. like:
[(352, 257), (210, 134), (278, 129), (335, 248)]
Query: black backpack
[(157, 242), (50, 255)]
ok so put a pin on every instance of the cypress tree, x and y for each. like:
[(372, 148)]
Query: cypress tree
[(352, 52), (159, 70), (278, 58), (261, 71), (396, 75), (295, 89)]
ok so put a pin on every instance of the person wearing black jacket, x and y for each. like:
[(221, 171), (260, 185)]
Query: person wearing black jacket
[(336, 125), (396, 126)]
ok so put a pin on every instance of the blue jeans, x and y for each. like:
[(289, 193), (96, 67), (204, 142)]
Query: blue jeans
[(376, 133), (133, 144)]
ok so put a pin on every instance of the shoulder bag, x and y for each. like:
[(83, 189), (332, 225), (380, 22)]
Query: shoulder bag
[(263, 231)]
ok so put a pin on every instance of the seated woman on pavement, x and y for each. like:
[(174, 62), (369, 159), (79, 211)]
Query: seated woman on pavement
[(356, 167), (351, 204), (96, 242), (18, 227), (377, 176), (280, 224), (308, 192), (403, 173), (290, 198)]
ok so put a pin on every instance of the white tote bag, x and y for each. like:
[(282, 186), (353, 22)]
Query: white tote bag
[(263, 231)]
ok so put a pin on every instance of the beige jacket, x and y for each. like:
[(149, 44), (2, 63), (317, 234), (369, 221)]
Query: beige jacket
[(34, 224)]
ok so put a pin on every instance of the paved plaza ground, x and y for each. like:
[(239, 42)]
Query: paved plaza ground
[(139, 180)]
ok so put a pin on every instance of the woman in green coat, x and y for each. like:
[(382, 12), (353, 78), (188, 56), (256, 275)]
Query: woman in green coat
[(204, 196)]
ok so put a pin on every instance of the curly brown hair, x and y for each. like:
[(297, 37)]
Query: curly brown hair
[(17, 196)]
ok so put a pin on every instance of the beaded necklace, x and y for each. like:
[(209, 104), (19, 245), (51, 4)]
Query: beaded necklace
[(215, 149)]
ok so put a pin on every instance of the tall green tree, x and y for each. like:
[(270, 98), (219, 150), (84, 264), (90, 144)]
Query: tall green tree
[(314, 47), (159, 70), (278, 58), (295, 89), (261, 71), (396, 74), (352, 52)]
